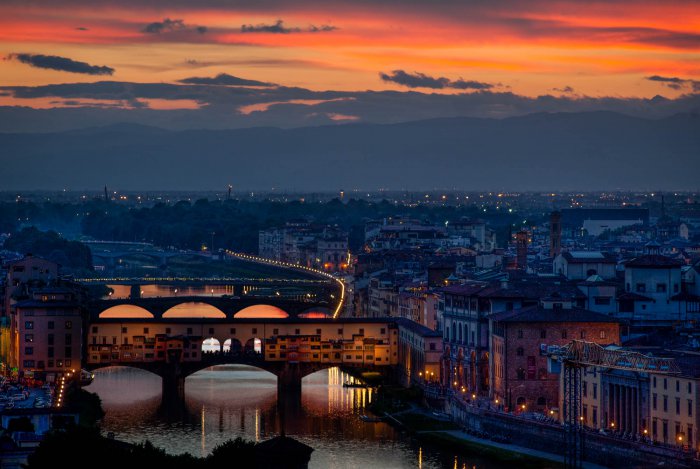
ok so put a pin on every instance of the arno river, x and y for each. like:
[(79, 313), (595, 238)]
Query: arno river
[(225, 402)]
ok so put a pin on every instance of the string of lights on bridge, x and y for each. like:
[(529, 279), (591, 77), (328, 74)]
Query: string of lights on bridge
[(291, 265), (198, 279)]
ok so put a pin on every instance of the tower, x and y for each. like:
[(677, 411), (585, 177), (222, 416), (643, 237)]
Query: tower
[(555, 234), (521, 249)]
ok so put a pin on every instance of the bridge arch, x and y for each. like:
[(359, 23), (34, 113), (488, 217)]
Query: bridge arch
[(233, 345), (262, 311), (194, 309), (126, 311), (134, 366), (254, 345)]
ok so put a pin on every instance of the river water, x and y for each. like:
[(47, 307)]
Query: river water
[(225, 402)]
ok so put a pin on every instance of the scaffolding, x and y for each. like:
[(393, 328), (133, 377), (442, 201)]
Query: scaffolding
[(578, 355)]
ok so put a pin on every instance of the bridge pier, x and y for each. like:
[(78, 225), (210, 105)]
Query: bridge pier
[(289, 381), (173, 387), (173, 377)]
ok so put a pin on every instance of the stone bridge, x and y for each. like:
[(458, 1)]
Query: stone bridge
[(290, 347), (111, 258)]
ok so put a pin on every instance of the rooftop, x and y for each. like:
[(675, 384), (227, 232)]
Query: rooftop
[(654, 261), (417, 328), (588, 256), (537, 313)]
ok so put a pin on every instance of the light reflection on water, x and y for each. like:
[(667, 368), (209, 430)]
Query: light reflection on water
[(225, 402)]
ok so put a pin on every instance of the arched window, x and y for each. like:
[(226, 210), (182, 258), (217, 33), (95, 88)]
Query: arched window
[(520, 401), (520, 352), (541, 401), (460, 333), (211, 345), (521, 373), (542, 373)]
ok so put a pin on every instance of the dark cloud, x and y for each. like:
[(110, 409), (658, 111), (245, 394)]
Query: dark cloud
[(421, 80), (54, 62), (676, 83), (168, 25), (322, 28), (217, 105), (82, 28), (565, 90), (223, 79), (469, 85), (279, 28)]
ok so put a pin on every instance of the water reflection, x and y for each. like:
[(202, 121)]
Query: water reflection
[(225, 402)]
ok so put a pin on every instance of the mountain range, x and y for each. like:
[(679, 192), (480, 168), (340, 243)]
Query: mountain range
[(543, 151)]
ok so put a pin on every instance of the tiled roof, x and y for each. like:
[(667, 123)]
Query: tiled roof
[(628, 295), (583, 257), (654, 260), (417, 328), (538, 313)]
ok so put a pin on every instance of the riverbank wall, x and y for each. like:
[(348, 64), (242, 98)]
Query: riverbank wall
[(599, 449)]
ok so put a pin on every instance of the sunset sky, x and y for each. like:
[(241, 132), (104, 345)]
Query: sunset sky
[(571, 48)]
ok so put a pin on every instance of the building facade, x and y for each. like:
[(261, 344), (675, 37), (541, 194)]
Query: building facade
[(47, 334), (519, 340)]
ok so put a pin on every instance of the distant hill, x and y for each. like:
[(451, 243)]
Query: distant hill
[(593, 150)]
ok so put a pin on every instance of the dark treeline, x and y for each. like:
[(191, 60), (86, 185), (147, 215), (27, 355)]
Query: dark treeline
[(73, 255), (82, 447), (188, 225)]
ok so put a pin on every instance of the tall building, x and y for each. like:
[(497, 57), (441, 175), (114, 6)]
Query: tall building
[(521, 243), (554, 234), (47, 330)]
